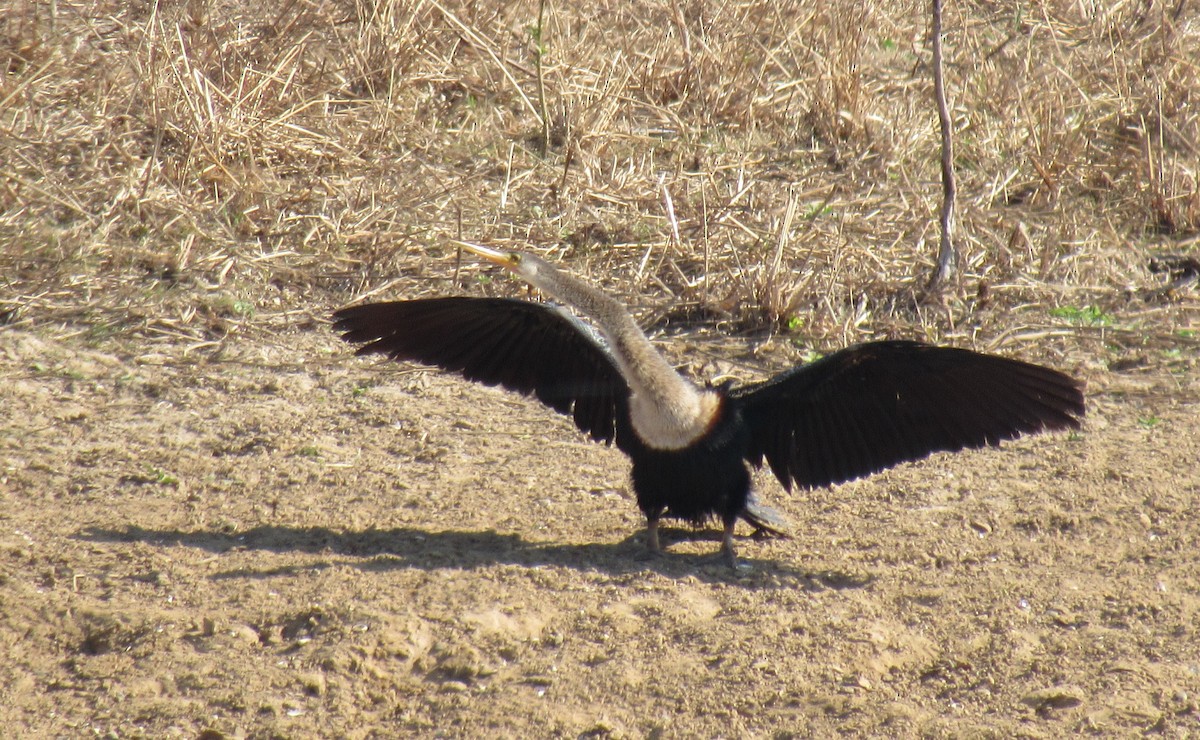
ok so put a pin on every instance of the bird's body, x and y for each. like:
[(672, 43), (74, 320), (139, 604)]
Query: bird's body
[(707, 478), (852, 413)]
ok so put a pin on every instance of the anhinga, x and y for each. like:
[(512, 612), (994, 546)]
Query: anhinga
[(849, 414)]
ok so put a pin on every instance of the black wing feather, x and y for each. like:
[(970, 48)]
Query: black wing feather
[(872, 406), (531, 348)]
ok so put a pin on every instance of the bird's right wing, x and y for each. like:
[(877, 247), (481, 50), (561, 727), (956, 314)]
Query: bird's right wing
[(872, 406), (531, 348)]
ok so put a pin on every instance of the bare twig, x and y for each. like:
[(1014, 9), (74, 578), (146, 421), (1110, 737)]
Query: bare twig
[(947, 255)]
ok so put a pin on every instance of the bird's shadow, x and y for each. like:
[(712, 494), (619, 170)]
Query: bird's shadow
[(413, 548)]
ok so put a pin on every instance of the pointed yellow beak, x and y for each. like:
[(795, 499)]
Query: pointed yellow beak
[(504, 259)]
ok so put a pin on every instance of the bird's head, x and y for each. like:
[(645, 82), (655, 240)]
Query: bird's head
[(525, 266)]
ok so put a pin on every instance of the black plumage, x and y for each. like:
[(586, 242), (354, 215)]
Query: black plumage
[(847, 415)]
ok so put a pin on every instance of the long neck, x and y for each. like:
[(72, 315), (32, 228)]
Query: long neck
[(667, 410)]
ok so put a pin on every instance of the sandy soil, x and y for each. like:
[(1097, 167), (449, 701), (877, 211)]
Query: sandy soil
[(285, 541)]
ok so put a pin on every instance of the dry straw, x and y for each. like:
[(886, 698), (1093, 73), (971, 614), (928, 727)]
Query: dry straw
[(181, 171)]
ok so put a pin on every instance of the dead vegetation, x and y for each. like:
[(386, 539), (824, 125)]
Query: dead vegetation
[(181, 171)]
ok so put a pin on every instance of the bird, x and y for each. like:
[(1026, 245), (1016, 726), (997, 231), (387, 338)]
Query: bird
[(691, 445)]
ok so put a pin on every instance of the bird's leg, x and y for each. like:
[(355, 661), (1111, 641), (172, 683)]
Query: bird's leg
[(652, 542), (729, 554), (727, 550)]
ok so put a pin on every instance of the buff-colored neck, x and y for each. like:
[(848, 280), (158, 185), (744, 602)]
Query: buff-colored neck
[(667, 410)]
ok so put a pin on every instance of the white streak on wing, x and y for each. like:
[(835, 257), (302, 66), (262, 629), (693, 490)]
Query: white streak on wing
[(584, 328)]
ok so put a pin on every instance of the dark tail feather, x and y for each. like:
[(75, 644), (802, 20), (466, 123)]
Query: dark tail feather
[(767, 522)]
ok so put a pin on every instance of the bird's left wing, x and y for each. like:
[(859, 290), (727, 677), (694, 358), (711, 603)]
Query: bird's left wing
[(872, 406), (531, 348)]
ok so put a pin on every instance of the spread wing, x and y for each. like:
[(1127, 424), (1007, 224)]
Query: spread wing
[(531, 348), (872, 406)]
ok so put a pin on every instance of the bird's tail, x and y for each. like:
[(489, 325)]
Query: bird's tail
[(767, 522)]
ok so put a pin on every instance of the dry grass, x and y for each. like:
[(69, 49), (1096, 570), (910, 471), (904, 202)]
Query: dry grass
[(185, 171)]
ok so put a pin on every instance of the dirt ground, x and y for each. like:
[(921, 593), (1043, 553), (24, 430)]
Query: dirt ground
[(285, 541)]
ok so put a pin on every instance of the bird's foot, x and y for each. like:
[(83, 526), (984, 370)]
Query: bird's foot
[(739, 567)]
